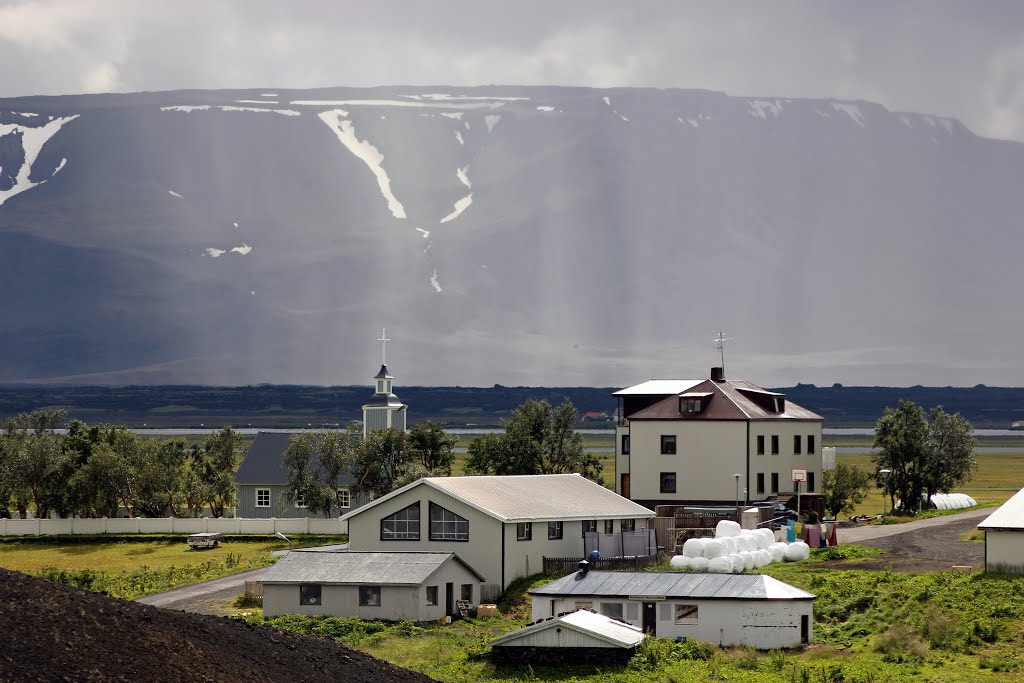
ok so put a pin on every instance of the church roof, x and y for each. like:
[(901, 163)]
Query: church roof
[(263, 463), (383, 400), (383, 374)]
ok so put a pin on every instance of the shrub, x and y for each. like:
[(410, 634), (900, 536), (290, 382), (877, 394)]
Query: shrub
[(900, 644)]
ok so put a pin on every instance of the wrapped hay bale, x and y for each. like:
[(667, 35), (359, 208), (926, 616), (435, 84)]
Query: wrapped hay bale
[(720, 565), (699, 564), (777, 551), (797, 552), (748, 559), (679, 562), (737, 563), (767, 536), (730, 545), (766, 557), (727, 529), (713, 548), (694, 547)]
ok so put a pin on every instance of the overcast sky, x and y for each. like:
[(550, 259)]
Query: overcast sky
[(959, 59)]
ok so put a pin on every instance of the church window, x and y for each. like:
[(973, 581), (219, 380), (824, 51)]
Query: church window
[(262, 498), (403, 525), (445, 525)]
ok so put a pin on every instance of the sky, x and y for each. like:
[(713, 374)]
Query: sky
[(958, 59)]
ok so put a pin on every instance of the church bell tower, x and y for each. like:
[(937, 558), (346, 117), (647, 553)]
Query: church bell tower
[(384, 410)]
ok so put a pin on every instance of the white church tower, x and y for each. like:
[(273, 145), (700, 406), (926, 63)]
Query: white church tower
[(384, 410)]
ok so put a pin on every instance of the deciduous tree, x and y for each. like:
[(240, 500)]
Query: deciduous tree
[(432, 448), (845, 488), (381, 461)]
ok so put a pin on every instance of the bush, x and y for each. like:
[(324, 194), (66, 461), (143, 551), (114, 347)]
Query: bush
[(900, 644)]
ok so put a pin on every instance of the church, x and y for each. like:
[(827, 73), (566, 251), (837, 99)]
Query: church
[(261, 483)]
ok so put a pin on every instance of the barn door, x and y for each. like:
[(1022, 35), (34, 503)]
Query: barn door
[(650, 620), (625, 485)]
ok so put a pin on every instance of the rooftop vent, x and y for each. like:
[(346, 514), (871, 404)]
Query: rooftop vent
[(584, 567), (717, 374)]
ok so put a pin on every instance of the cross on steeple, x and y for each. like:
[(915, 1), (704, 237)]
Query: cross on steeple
[(383, 346)]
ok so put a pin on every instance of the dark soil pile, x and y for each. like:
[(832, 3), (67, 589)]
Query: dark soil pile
[(56, 633)]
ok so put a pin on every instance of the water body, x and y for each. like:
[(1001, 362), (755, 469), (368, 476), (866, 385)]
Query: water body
[(855, 450)]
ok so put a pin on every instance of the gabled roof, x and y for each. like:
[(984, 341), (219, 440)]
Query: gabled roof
[(263, 463), (1010, 514), (727, 402), (673, 585), (659, 387), (528, 498), (591, 624), (380, 568)]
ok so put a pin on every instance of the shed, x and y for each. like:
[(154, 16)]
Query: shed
[(582, 635), (417, 586), (725, 609), (1004, 537)]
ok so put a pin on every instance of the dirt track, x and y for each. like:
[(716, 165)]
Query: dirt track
[(934, 547), (56, 633)]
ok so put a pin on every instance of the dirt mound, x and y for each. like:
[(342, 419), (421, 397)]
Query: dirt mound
[(56, 633)]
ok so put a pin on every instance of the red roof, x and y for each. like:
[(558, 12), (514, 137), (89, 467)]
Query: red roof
[(727, 402)]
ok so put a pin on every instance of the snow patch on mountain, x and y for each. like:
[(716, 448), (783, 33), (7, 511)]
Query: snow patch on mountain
[(460, 206), (214, 252), (186, 107), (458, 136), (452, 114), (32, 141), (447, 97), (434, 283), (26, 114), (851, 110), (545, 108), (397, 103), (174, 194), (426, 233), (363, 149), (463, 178), (243, 250), (761, 108), (285, 112), (492, 120), (59, 167), (258, 101)]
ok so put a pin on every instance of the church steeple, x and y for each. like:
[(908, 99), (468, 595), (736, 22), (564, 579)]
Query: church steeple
[(384, 410)]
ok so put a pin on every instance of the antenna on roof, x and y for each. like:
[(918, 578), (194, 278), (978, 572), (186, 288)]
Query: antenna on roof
[(720, 345)]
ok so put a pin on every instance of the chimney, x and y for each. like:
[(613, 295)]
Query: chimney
[(584, 567), (717, 374)]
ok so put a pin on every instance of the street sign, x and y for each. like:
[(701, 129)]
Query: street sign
[(799, 474)]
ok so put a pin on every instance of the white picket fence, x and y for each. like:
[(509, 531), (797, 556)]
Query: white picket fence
[(171, 525)]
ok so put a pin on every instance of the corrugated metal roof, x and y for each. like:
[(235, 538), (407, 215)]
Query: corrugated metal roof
[(673, 585), (263, 463), (598, 626), (1010, 514), (378, 568), (659, 387)]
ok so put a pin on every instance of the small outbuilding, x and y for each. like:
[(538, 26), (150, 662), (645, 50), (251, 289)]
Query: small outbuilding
[(579, 636), (1004, 537), (724, 609), (417, 586)]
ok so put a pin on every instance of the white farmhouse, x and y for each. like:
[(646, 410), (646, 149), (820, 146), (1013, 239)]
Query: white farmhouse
[(1004, 537), (684, 441), (501, 526), (392, 586), (724, 609)]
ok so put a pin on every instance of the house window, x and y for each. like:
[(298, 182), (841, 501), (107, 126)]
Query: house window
[(668, 444), (612, 609), (689, 405), (554, 531), (466, 592), (609, 526), (625, 444), (445, 525), (775, 444), (627, 525), (344, 498), (810, 443), (262, 498), (760, 482), (760, 444), (309, 595), (431, 596), (584, 604), (524, 531), (775, 482), (810, 482), (300, 500), (686, 614), (796, 444), (403, 525), (369, 596), (668, 482), (589, 525)]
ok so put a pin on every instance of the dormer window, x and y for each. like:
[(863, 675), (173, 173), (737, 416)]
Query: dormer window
[(689, 405)]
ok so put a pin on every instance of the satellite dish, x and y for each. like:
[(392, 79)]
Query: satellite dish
[(281, 536)]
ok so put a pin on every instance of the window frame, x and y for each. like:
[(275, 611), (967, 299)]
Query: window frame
[(300, 501), (431, 590), (627, 525), (810, 481), (408, 531), (669, 444), (344, 499), (690, 406), (556, 530), (306, 600), (524, 531), (797, 444), (458, 522), (810, 444), (589, 525), (760, 482), (681, 614), (366, 593), (662, 479), (760, 444), (775, 482), (611, 606), (463, 590), (625, 444), (775, 444), (268, 496), (609, 526)]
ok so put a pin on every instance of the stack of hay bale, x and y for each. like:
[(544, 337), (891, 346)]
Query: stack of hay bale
[(734, 550)]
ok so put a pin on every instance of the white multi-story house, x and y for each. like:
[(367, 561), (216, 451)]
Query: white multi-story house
[(712, 441)]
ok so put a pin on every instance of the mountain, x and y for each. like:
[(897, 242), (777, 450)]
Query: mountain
[(521, 235)]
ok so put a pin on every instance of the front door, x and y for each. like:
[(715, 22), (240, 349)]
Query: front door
[(625, 485), (805, 629), (449, 597), (650, 622)]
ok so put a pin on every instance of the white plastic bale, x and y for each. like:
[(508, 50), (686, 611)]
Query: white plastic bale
[(738, 565), (699, 564), (720, 565), (766, 557), (694, 547), (730, 543), (777, 551), (679, 562), (797, 552), (747, 543), (769, 537), (971, 502), (727, 528), (713, 548)]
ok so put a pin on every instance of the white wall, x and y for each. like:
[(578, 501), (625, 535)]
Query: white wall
[(1004, 551), (786, 460), (763, 624), (169, 525)]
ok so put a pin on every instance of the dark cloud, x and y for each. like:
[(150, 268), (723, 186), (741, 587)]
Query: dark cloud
[(946, 58)]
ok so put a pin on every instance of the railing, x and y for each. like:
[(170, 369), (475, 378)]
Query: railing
[(568, 565)]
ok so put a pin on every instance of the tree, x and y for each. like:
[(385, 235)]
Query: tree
[(218, 471), (538, 439), (845, 487), (922, 458), (34, 462), (316, 464), (431, 447), (381, 461)]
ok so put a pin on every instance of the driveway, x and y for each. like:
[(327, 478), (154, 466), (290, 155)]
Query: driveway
[(859, 535)]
